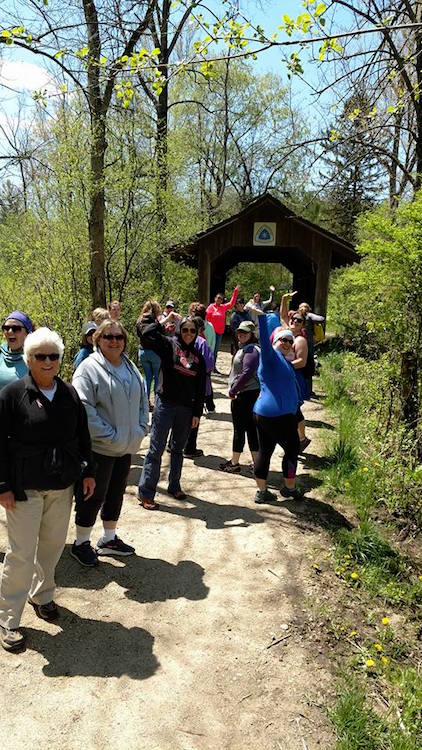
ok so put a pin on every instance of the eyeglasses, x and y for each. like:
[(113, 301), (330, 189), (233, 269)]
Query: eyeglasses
[(111, 336), (14, 329), (297, 320), (53, 357), (188, 330)]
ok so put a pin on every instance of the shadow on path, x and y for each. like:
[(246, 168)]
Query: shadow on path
[(215, 516), (317, 513), (145, 579), (94, 648), (319, 423)]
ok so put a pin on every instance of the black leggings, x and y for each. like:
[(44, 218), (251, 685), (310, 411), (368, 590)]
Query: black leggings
[(273, 430), (243, 421), (111, 480)]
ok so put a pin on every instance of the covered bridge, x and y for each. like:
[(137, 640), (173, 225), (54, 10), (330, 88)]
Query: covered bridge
[(266, 231)]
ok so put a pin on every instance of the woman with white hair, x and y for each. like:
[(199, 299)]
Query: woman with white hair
[(44, 448)]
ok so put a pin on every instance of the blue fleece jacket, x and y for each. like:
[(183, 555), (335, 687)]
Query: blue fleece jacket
[(277, 379)]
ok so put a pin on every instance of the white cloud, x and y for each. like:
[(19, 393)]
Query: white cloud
[(24, 76)]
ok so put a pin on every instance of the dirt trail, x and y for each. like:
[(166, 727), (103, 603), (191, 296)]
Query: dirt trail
[(170, 649)]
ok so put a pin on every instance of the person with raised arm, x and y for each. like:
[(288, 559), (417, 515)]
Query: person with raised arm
[(275, 413), (216, 314)]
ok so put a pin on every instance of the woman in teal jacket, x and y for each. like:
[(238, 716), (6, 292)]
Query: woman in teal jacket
[(15, 329)]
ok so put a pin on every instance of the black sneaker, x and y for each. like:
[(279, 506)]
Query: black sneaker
[(293, 493), (264, 496), (11, 639), (115, 547), (304, 444), (193, 454), (84, 554), (230, 468)]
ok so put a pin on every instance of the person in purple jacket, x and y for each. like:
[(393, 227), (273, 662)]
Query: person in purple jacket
[(243, 392), (202, 346)]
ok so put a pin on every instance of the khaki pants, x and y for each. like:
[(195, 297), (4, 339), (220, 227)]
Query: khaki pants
[(37, 532)]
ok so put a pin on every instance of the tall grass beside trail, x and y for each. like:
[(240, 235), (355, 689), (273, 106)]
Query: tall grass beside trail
[(371, 463)]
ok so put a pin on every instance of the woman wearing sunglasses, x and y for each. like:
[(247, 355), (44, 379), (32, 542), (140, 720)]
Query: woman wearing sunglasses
[(44, 448), (15, 330), (178, 404), (113, 393)]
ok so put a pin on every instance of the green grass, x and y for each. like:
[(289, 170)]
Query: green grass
[(358, 727)]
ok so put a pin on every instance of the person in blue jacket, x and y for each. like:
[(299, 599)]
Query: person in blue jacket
[(275, 414), (15, 330)]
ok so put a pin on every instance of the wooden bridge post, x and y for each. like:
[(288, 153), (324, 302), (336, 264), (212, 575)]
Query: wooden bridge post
[(322, 280)]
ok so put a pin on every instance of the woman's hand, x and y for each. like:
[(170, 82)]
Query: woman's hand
[(7, 500), (88, 486), (238, 287), (272, 288), (195, 422)]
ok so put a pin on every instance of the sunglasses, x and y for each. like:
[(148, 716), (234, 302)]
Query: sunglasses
[(297, 320), (14, 329), (286, 341), (111, 336), (53, 357), (188, 330)]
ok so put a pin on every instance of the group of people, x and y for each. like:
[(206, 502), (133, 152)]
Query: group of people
[(60, 441)]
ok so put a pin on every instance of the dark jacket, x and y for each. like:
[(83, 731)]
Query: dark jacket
[(43, 445), (182, 373), (238, 318)]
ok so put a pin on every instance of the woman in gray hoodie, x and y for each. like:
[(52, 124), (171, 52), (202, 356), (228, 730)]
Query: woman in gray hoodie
[(113, 393)]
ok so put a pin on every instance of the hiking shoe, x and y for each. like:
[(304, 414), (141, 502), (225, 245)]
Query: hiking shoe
[(49, 611), (193, 454), (84, 554), (115, 547), (265, 496), (230, 468), (11, 639), (293, 493), (304, 444)]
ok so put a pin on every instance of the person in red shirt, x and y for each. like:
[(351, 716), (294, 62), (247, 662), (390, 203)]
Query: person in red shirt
[(216, 314)]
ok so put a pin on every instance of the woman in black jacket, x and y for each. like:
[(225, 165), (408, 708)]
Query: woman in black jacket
[(44, 448), (178, 403)]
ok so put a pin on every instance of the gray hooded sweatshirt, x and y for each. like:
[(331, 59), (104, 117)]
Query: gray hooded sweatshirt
[(117, 411)]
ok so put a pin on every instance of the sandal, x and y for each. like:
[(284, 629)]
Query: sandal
[(179, 494), (148, 504)]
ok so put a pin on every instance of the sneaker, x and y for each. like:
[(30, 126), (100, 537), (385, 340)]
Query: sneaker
[(115, 547), (265, 496), (293, 493), (230, 468), (11, 639), (304, 444), (84, 554), (49, 611), (193, 454)]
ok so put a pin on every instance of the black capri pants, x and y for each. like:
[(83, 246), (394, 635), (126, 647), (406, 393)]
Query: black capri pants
[(273, 430), (243, 421), (111, 480)]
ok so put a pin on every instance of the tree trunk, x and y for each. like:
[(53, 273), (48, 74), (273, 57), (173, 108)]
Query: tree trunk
[(98, 150)]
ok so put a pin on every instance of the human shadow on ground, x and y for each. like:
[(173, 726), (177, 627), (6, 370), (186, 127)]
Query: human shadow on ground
[(94, 648), (135, 469), (313, 461), (219, 416), (317, 513), (318, 423), (220, 394), (214, 515), (144, 579)]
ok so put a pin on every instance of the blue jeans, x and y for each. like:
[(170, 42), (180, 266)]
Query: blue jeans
[(151, 364), (218, 337), (166, 417)]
